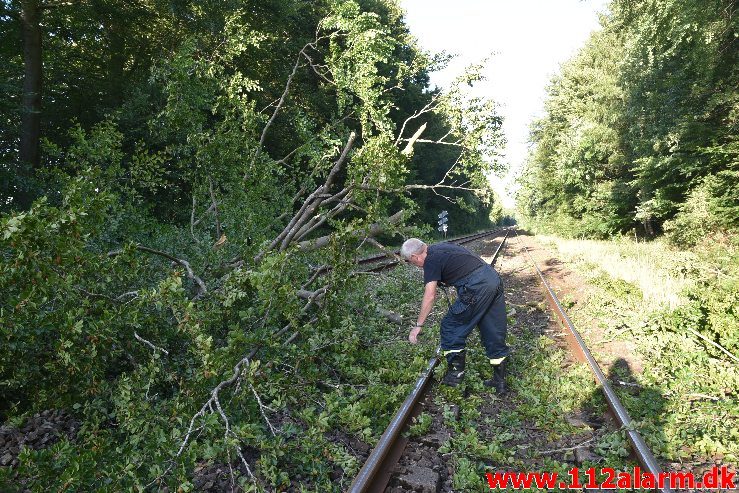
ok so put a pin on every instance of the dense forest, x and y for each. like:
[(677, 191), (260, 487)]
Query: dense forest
[(176, 177), (641, 127)]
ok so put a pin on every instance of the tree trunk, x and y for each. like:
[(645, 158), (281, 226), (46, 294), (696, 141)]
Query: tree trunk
[(113, 20), (32, 78)]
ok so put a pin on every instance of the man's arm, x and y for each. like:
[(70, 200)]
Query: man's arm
[(429, 296)]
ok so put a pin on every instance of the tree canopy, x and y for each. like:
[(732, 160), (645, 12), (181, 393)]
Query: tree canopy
[(640, 130), (185, 182)]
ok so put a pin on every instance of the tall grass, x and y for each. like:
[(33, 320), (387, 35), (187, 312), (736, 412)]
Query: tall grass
[(660, 271)]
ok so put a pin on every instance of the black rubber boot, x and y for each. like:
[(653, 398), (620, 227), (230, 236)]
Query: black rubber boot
[(498, 380), (454, 369)]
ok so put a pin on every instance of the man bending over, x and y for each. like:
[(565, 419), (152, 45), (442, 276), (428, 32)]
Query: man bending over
[(480, 302)]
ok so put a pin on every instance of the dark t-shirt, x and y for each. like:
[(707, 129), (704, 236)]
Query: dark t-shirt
[(448, 263)]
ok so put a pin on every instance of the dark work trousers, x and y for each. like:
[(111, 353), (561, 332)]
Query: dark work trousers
[(480, 302)]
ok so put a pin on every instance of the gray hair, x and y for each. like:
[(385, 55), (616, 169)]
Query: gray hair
[(412, 246)]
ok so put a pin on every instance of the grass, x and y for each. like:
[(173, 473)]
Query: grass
[(685, 399), (661, 272)]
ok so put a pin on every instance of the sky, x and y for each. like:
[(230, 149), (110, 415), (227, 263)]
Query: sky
[(528, 40)]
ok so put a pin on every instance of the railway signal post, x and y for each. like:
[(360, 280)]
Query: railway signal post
[(443, 220)]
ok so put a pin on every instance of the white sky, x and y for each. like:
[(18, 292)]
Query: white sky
[(528, 39)]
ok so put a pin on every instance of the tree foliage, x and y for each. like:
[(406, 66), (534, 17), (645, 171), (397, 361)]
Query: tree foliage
[(642, 116), (210, 171)]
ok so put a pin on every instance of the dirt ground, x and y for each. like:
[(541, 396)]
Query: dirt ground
[(568, 285)]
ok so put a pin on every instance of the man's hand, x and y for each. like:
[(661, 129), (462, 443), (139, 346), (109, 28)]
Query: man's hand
[(429, 295), (413, 336)]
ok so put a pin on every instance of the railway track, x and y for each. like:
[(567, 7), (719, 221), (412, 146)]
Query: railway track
[(421, 467), (390, 260)]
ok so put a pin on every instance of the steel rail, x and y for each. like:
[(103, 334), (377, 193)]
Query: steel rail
[(500, 247), (645, 456), (393, 261), (475, 236), (462, 240), (387, 451), (374, 463)]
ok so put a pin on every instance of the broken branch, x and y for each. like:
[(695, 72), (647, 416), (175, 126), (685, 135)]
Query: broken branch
[(202, 289), (373, 230), (155, 348)]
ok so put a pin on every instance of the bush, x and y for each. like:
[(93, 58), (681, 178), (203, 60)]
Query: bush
[(712, 306), (696, 217), (711, 206)]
